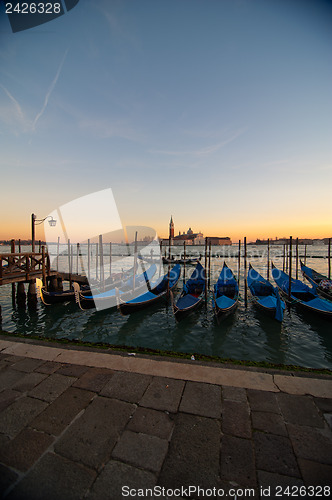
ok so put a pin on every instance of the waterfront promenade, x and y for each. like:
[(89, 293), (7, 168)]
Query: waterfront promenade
[(81, 423)]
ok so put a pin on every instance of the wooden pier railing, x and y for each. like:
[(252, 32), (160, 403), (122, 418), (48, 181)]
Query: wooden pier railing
[(24, 267)]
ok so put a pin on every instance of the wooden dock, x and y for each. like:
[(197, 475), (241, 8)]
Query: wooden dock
[(24, 267)]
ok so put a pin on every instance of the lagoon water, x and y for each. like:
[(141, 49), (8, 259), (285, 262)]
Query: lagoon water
[(302, 339)]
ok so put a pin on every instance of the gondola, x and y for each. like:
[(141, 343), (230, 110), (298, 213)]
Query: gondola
[(265, 296), (50, 297), (304, 296), (225, 293), (158, 291), (322, 283), (105, 300), (192, 294)]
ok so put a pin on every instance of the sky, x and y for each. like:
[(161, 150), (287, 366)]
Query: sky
[(217, 112)]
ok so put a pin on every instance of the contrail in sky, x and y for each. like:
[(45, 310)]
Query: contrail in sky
[(16, 104), (50, 90)]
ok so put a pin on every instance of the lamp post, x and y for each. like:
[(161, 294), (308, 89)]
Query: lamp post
[(36, 222)]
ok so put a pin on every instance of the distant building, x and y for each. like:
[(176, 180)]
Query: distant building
[(217, 240), (192, 238)]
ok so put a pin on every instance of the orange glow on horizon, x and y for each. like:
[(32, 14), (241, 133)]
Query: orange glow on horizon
[(21, 229)]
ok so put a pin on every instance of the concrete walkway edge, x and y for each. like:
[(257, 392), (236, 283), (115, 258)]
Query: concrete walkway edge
[(191, 371)]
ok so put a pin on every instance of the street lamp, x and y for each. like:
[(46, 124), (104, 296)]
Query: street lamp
[(36, 222)]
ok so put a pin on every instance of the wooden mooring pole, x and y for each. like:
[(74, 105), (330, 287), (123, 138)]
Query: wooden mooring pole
[(297, 258), (101, 258), (268, 259), (97, 260), (184, 259), (57, 254), (290, 269), (205, 265), (209, 273), (239, 263), (89, 259), (245, 273), (32, 295), (12, 249), (283, 258), (69, 264), (110, 260), (329, 259)]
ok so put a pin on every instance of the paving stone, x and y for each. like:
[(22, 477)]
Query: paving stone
[(94, 379), (262, 401), (52, 387), (29, 381), (156, 423), (19, 414), (236, 419), (27, 364), (4, 364), (237, 461), (201, 399), (9, 358), (127, 386), (315, 474), (91, 438), (310, 443), (9, 377), (269, 422), (7, 478), (49, 367), (114, 476), (7, 397), (55, 418), (324, 404), (275, 454), (52, 478), (299, 410), (72, 370), (22, 452), (234, 394), (141, 450), (273, 484), (163, 394), (193, 456)]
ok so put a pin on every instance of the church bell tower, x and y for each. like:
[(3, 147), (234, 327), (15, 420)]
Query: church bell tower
[(171, 228)]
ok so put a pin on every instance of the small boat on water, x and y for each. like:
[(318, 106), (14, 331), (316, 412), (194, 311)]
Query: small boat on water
[(265, 296), (128, 290), (301, 294), (179, 261), (322, 283), (158, 291), (225, 293), (192, 293)]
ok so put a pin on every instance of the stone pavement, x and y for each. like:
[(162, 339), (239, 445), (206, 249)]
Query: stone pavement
[(76, 423)]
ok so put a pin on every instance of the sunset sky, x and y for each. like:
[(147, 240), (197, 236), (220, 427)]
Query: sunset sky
[(218, 112)]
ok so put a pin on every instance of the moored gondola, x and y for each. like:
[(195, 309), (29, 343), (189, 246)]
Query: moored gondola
[(301, 294), (225, 293), (192, 293), (265, 296), (322, 283), (128, 290), (158, 291)]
